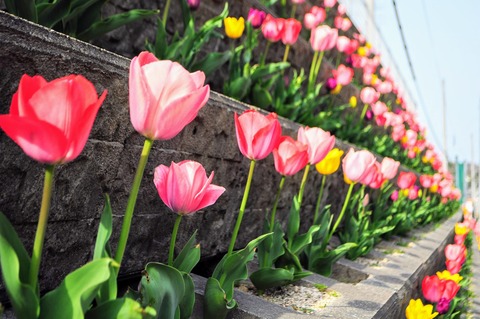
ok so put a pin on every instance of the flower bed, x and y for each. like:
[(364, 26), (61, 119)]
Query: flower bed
[(107, 164)]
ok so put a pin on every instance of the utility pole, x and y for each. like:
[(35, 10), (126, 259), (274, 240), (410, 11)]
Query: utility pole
[(444, 120)]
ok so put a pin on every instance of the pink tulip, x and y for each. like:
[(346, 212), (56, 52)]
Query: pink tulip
[(398, 131), (272, 28), (193, 4), (298, 1), (376, 180), (412, 194), (379, 108), (185, 188), (51, 121), (341, 9), (323, 38), (453, 266), (368, 95), (406, 180), (257, 134), (291, 30), (459, 239), (380, 120), (456, 253), (357, 164), (329, 3), (394, 195), (342, 43), (342, 23), (164, 96), (256, 17), (426, 181), (290, 156), (319, 142), (384, 87), (343, 75), (389, 167)]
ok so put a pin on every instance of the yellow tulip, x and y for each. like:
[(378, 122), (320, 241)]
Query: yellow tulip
[(448, 276), (330, 163), (353, 101), (461, 229), (374, 79), (434, 188), (336, 90), (362, 51), (234, 27), (405, 192), (416, 310)]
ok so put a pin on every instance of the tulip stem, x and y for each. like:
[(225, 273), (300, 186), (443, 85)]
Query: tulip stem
[(165, 13), (174, 239), (285, 55), (264, 56), (364, 111), (294, 9), (319, 63), (132, 199), (312, 71), (41, 226), (319, 200), (344, 208), (275, 204), (242, 208), (302, 185)]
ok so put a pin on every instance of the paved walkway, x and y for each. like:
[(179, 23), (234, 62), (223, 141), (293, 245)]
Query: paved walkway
[(476, 282)]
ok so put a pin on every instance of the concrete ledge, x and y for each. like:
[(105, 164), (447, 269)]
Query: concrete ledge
[(391, 280)]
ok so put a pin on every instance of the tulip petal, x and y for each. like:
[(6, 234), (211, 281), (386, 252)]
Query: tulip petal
[(39, 140), (212, 193), (140, 100), (160, 177), (26, 89), (178, 114)]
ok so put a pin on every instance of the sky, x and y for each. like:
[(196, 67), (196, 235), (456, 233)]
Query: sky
[(443, 40)]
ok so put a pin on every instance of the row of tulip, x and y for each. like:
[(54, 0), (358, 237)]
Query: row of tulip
[(355, 62), (160, 107), (448, 290)]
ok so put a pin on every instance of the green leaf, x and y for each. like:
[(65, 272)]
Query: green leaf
[(303, 240), (289, 261), (188, 301), (75, 294), (188, 258), (84, 13), (54, 12), (271, 247), (293, 220), (261, 72), (216, 304), (162, 287), (122, 308), (239, 88), (322, 263), (271, 277), (234, 267), (15, 265), (22, 8), (261, 97), (108, 290), (113, 22), (211, 62)]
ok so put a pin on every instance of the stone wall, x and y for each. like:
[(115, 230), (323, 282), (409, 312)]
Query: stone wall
[(108, 163)]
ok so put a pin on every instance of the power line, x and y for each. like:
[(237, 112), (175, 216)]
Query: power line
[(419, 92)]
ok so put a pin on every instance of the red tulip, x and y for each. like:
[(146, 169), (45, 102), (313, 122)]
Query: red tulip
[(290, 156), (164, 96), (257, 134), (291, 30), (272, 28), (185, 188), (406, 180), (459, 239), (434, 288), (329, 3), (319, 142), (323, 38), (357, 165), (453, 266), (51, 121)]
